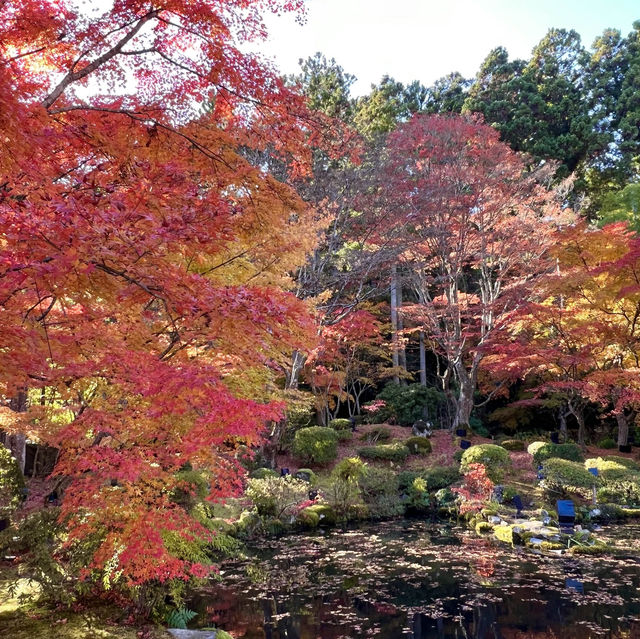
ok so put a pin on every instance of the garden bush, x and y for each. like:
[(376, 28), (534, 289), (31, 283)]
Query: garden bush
[(326, 514), (436, 478), (623, 461), (417, 496), (610, 469), (344, 435), (376, 434), (261, 473), (349, 469), (563, 475), (494, 458), (387, 452), (457, 456), (513, 444), (407, 404), (380, 492), (300, 413), (626, 493), (607, 442), (340, 424), (277, 496), (418, 445), (12, 484), (317, 444), (568, 451), (534, 447)]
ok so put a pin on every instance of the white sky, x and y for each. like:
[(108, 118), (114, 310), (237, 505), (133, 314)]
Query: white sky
[(426, 39)]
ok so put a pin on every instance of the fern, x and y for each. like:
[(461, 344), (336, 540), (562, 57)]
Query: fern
[(180, 617)]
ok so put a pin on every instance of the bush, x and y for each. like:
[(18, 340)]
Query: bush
[(277, 496), (306, 474), (457, 456), (340, 424), (349, 469), (436, 478), (513, 444), (568, 451), (494, 458), (407, 404), (418, 499), (261, 473), (300, 413), (478, 427), (534, 447), (389, 452), (607, 442), (344, 435), (623, 461), (610, 469), (418, 445), (326, 515), (12, 486), (316, 444), (376, 434), (565, 475), (379, 491)]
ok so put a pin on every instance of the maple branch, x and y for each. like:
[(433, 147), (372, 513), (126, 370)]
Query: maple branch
[(23, 55), (111, 271), (74, 76)]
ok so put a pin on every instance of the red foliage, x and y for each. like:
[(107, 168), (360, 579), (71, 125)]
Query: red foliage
[(476, 489)]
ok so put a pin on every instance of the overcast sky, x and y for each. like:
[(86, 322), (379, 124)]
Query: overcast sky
[(426, 39)]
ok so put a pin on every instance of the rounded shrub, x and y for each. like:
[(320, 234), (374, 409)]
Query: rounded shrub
[(376, 434), (569, 451), (326, 514), (349, 469), (385, 452), (418, 445), (344, 435), (513, 444), (340, 424), (566, 475), (610, 469), (534, 447), (316, 444), (379, 490), (261, 473), (607, 442), (494, 458)]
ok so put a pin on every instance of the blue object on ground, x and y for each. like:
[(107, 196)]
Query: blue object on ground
[(574, 584), (517, 502), (464, 444), (593, 471)]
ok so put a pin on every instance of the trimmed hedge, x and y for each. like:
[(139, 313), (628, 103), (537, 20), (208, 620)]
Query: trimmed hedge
[(569, 451), (390, 452), (340, 424), (317, 444), (607, 442), (418, 445), (534, 447), (610, 469), (377, 434), (513, 444), (494, 458), (564, 474)]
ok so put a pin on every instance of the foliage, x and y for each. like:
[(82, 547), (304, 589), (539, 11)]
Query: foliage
[(389, 452), (300, 413), (262, 473), (569, 451), (344, 435), (379, 491), (316, 444), (418, 445), (610, 469), (325, 513), (564, 475), (180, 617), (349, 469), (436, 478), (418, 495), (513, 444), (340, 424), (494, 458), (277, 496), (607, 442), (407, 404), (476, 489), (534, 447), (376, 434), (12, 484)]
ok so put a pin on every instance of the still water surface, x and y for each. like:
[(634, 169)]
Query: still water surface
[(421, 580)]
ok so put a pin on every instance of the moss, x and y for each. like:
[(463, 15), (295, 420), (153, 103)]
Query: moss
[(504, 533), (484, 527), (551, 545), (489, 512), (340, 424), (308, 519), (597, 549), (326, 514), (513, 444), (562, 474)]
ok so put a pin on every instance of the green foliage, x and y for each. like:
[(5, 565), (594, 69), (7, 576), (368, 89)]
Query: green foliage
[(11, 483), (569, 451), (418, 445), (407, 404), (631, 464), (379, 491), (277, 496), (308, 519), (300, 413), (610, 469), (340, 424), (261, 473), (513, 444), (436, 478), (317, 445), (478, 427), (306, 474), (193, 487), (418, 495), (180, 617), (344, 435), (564, 475), (390, 452), (457, 456), (534, 447), (325, 513), (349, 469), (495, 459), (376, 434), (484, 527), (607, 442)]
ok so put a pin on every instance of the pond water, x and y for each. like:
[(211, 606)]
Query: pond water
[(422, 580)]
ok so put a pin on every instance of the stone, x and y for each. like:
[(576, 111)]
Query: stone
[(494, 520), (193, 634)]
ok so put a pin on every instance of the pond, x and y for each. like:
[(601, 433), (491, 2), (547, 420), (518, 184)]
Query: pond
[(422, 580)]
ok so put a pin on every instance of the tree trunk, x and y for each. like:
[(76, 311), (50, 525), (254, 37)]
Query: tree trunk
[(563, 424), (623, 429), (395, 358), (298, 360), (464, 403), (423, 360), (402, 353), (17, 443)]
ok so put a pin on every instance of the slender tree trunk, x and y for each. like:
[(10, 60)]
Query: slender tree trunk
[(563, 423), (298, 360), (402, 353), (395, 357), (423, 360), (17, 443), (464, 403), (623, 429)]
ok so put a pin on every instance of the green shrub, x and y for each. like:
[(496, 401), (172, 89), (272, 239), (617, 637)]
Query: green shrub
[(388, 452), (306, 474), (418, 495), (568, 451), (534, 447), (379, 491), (607, 442), (407, 404), (620, 492), (494, 458), (484, 527), (441, 477), (326, 514), (610, 469), (513, 444), (277, 496), (340, 424), (300, 413), (12, 484), (261, 473), (478, 427), (316, 445), (457, 456), (418, 445), (565, 475), (308, 519), (623, 461), (349, 469), (344, 435), (376, 434)]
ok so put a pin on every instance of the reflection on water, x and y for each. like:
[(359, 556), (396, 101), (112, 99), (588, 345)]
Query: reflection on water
[(421, 581)]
